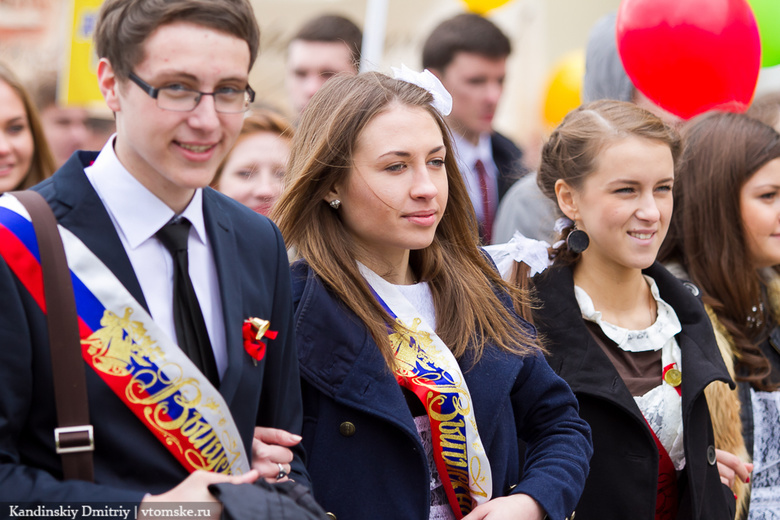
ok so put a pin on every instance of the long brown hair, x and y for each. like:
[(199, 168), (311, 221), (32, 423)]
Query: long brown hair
[(461, 278), (574, 147), (721, 151), (42, 165)]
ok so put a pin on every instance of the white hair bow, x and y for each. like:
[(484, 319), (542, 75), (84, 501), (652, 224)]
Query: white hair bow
[(442, 100), (520, 249)]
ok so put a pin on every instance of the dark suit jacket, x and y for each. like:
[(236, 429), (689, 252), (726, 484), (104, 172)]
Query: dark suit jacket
[(129, 461), (509, 161)]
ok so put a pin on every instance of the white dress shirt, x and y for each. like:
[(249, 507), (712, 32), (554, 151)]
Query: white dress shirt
[(137, 215), (467, 155)]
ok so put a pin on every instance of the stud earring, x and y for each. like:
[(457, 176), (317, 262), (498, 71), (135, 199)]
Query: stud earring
[(335, 204), (577, 241)]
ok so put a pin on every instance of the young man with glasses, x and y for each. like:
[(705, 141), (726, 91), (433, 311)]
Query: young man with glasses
[(183, 295)]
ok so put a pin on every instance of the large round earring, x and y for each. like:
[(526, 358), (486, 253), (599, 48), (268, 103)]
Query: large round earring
[(577, 241), (335, 204)]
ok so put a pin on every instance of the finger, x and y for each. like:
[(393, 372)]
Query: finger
[(273, 476), (216, 478), (728, 458), (202, 479), (274, 454), (742, 471), (726, 474), (266, 468), (247, 478), (276, 436), (479, 512), (270, 470), (726, 470), (274, 480)]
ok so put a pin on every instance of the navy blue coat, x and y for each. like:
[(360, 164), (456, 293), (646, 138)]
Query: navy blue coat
[(364, 454), (254, 281), (624, 470)]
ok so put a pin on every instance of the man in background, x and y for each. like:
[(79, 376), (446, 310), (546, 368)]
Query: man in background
[(468, 53), (323, 47), (68, 128)]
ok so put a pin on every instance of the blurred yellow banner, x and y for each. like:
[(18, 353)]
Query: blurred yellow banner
[(78, 74)]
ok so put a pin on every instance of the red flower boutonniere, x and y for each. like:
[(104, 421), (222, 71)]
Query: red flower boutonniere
[(254, 330)]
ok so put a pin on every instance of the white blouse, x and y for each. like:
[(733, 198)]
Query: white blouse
[(661, 406)]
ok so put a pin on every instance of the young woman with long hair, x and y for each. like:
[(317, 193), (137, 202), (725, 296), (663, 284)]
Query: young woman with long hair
[(632, 341), (727, 242), (420, 382), (25, 159)]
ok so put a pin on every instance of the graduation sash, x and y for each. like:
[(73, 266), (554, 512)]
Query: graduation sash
[(130, 353), (427, 367)]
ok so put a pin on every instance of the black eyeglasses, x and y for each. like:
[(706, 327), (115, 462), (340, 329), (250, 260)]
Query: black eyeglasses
[(181, 99)]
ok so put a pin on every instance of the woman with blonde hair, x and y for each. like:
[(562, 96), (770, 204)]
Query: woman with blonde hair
[(419, 380), (25, 159), (253, 172)]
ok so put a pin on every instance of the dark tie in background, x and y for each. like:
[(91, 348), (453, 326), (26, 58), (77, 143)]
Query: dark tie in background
[(191, 333), (487, 209)]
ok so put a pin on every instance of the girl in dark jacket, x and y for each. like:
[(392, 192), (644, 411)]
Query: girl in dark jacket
[(633, 343), (418, 377)]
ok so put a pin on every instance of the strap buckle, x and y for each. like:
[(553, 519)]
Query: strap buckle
[(74, 439)]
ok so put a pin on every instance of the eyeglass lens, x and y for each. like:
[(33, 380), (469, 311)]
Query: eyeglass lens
[(185, 100)]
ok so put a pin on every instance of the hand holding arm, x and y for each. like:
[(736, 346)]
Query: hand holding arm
[(194, 489), (269, 449), (730, 467)]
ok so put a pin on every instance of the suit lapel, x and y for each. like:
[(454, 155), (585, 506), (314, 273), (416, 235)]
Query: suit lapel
[(225, 250), (78, 208)]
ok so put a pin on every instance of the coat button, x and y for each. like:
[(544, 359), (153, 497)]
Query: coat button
[(347, 429), (331, 516), (691, 287), (711, 456)]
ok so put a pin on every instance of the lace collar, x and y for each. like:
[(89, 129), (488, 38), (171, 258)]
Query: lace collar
[(665, 327)]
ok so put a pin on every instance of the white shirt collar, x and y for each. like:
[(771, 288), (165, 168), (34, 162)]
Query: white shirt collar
[(665, 327), (468, 153), (137, 212)]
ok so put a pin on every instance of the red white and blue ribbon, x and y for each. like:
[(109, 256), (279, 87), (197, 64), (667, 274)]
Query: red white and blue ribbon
[(130, 353), (425, 366)]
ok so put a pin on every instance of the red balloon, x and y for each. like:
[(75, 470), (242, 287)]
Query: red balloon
[(690, 56)]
